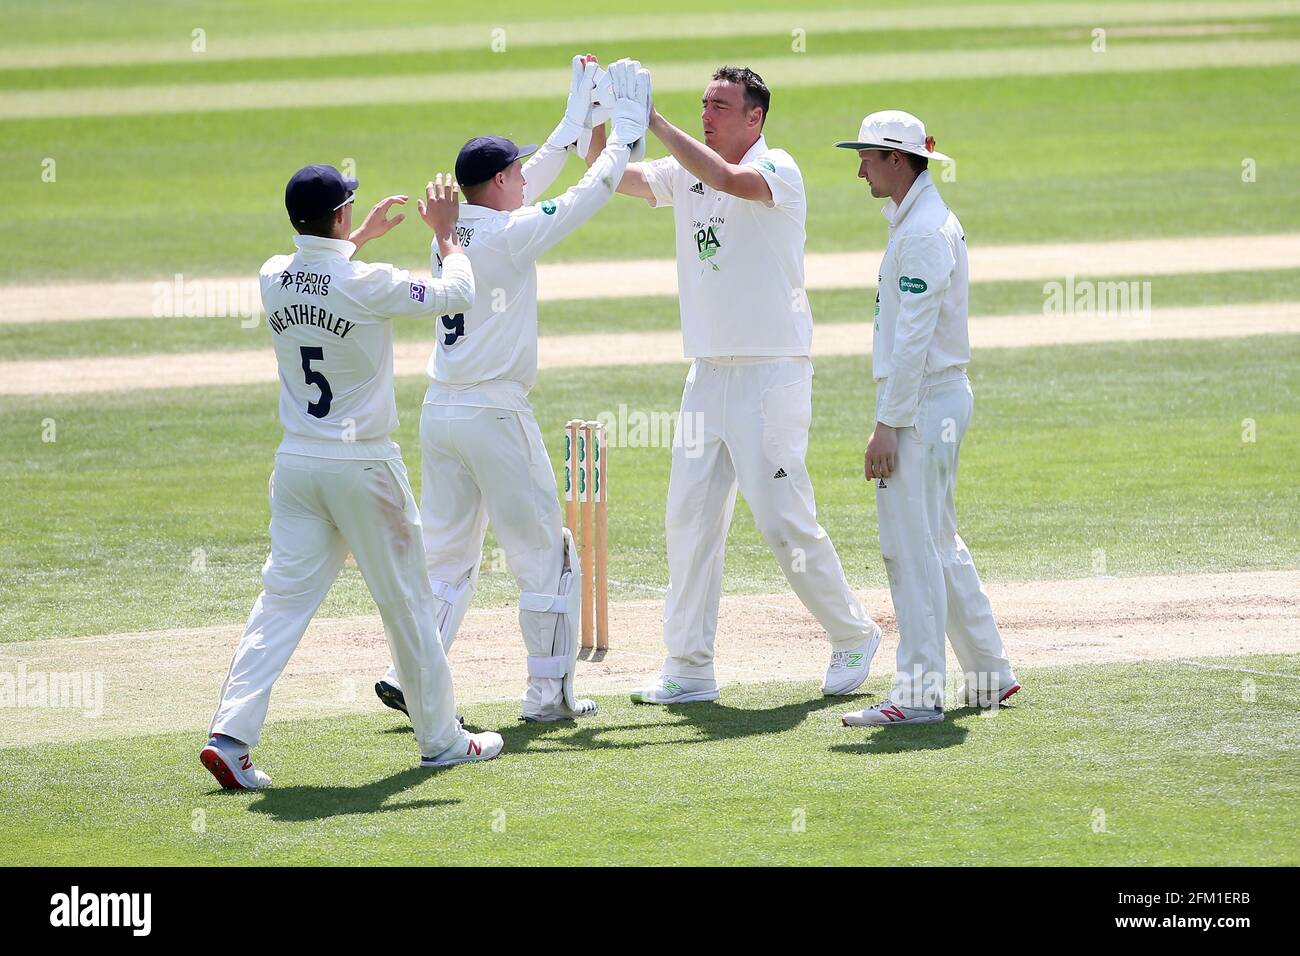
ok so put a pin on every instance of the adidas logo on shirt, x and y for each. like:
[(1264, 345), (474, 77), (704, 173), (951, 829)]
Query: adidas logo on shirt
[(780, 473), (698, 189)]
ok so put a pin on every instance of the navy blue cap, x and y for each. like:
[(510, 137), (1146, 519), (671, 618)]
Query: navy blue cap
[(315, 191), (484, 156)]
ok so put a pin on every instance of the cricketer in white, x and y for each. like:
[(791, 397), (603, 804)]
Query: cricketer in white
[(483, 458), (740, 226), (339, 483), (920, 350)]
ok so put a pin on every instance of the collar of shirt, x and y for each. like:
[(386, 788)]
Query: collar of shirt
[(895, 212), (471, 211), (758, 149), (318, 247)]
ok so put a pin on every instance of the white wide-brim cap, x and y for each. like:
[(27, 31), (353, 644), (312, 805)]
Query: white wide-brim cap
[(894, 129)]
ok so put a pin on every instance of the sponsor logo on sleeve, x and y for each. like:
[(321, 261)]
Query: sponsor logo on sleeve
[(417, 291), (908, 284), (548, 207), (767, 164)]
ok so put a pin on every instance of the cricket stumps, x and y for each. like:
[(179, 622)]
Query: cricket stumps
[(586, 475)]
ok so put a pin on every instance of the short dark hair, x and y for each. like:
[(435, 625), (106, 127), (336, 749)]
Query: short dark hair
[(322, 227), (756, 91), (919, 164)]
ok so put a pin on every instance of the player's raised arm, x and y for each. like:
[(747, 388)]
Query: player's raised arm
[(440, 209), (545, 165), (389, 291), (634, 182), (744, 182), (377, 222), (534, 230)]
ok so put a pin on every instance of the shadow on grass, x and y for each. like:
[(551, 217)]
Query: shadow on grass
[(897, 740), (712, 721), (295, 804), (707, 721)]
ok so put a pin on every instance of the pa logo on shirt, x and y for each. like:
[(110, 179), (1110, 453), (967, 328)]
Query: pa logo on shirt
[(417, 291)]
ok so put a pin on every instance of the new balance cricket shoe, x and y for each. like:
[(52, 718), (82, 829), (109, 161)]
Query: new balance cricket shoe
[(467, 748), (973, 697), (390, 695), (230, 762), (888, 714), (677, 690), (850, 667)]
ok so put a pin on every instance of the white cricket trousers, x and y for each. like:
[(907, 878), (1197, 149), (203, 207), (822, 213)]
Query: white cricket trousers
[(743, 426), (321, 508), (932, 579), (488, 464)]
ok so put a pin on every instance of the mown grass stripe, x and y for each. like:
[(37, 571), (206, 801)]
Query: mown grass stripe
[(630, 278), (148, 372), (793, 70), (540, 32)]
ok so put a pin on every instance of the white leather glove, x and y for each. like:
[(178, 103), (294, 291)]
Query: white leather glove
[(631, 112), (577, 113), (602, 97)]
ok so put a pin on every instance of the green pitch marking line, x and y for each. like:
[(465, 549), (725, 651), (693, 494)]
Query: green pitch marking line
[(515, 85)]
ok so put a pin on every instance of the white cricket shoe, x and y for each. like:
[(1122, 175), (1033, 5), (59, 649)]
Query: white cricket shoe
[(677, 690), (230, 762), (888, 714), (849, 668), (467, 748), (973, 697)]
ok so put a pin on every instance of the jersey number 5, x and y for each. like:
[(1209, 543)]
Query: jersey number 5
[(314, 353), (455, 326)]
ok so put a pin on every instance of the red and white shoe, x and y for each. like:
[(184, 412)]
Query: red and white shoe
[(231, 763), (888, 714), (467, 748), (972, 697)]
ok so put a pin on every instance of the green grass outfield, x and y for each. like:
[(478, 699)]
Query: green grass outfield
[(1151, 151), (1122, 764), (1134, 449), (105, 337), (148, 511)]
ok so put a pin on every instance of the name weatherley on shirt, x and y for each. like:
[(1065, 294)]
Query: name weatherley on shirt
[(304, 313)]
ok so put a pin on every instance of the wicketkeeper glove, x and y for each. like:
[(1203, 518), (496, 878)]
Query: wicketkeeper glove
[(631, 111), (577, 113)]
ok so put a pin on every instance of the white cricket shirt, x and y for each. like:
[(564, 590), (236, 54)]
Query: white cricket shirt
[(921, 301), (487, 355), (739, 261), (329, 322)]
